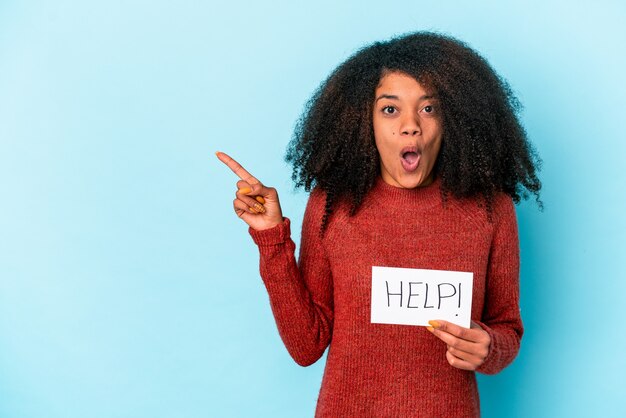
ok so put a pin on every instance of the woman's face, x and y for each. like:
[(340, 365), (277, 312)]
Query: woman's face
[(407, 129)]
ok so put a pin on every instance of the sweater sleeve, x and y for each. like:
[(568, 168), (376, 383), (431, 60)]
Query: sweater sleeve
[(300, 293), (501, 316)]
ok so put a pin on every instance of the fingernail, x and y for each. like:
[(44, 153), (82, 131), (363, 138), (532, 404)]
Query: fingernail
[(435, 324), (260, 199), (260, 208), (253, 210), (431, 329), (244, 190)]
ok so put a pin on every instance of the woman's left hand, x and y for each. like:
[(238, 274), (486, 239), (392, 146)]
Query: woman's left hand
[(467, 347)]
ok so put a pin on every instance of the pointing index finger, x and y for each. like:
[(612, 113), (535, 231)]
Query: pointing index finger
[(236, 167)]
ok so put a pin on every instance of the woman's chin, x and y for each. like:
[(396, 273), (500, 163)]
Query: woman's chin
[(415, 180), (406, 180), (409, 182)]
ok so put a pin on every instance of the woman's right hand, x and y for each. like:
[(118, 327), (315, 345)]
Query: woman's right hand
[(256, 204)]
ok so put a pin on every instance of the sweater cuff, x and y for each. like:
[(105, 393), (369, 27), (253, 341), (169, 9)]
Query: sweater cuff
[(492, 361), (272, 236)]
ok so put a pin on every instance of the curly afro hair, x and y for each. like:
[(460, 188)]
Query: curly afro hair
[(484, 147)]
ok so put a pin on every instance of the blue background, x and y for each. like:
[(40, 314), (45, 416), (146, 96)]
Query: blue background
[(128, 286)]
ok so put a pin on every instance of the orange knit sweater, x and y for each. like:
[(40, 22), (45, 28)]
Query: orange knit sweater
[(382, 370)]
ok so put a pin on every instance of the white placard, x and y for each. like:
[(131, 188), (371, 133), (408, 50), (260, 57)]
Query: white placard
[(414, 296)]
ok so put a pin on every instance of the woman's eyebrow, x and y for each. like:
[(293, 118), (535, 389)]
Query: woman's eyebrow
[(391, 96), (387, 96)]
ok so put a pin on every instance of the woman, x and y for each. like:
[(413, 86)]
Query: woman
[(414, 156)]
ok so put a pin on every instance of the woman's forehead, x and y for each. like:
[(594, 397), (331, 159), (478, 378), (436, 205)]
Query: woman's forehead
[(399, 81)]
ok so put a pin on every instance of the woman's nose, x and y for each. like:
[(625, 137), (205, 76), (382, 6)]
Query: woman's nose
[(410, 126)]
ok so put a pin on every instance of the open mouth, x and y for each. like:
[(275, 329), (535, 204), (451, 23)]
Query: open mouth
[(410, 158)]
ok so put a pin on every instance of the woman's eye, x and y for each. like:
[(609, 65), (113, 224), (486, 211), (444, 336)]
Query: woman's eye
[(389, 110), (429, 109)]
